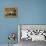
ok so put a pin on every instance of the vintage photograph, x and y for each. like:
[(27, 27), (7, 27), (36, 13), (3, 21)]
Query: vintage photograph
[(10, 11)]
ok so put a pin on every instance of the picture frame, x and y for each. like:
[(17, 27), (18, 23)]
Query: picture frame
[(10, 12)]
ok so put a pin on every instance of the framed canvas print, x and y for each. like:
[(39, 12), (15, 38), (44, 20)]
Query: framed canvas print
[(28, 34), (32, 32)]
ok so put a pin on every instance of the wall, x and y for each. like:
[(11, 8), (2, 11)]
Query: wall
[(29, 12), (33, 12)]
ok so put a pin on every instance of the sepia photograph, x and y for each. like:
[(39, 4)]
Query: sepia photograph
[(10, 11)]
